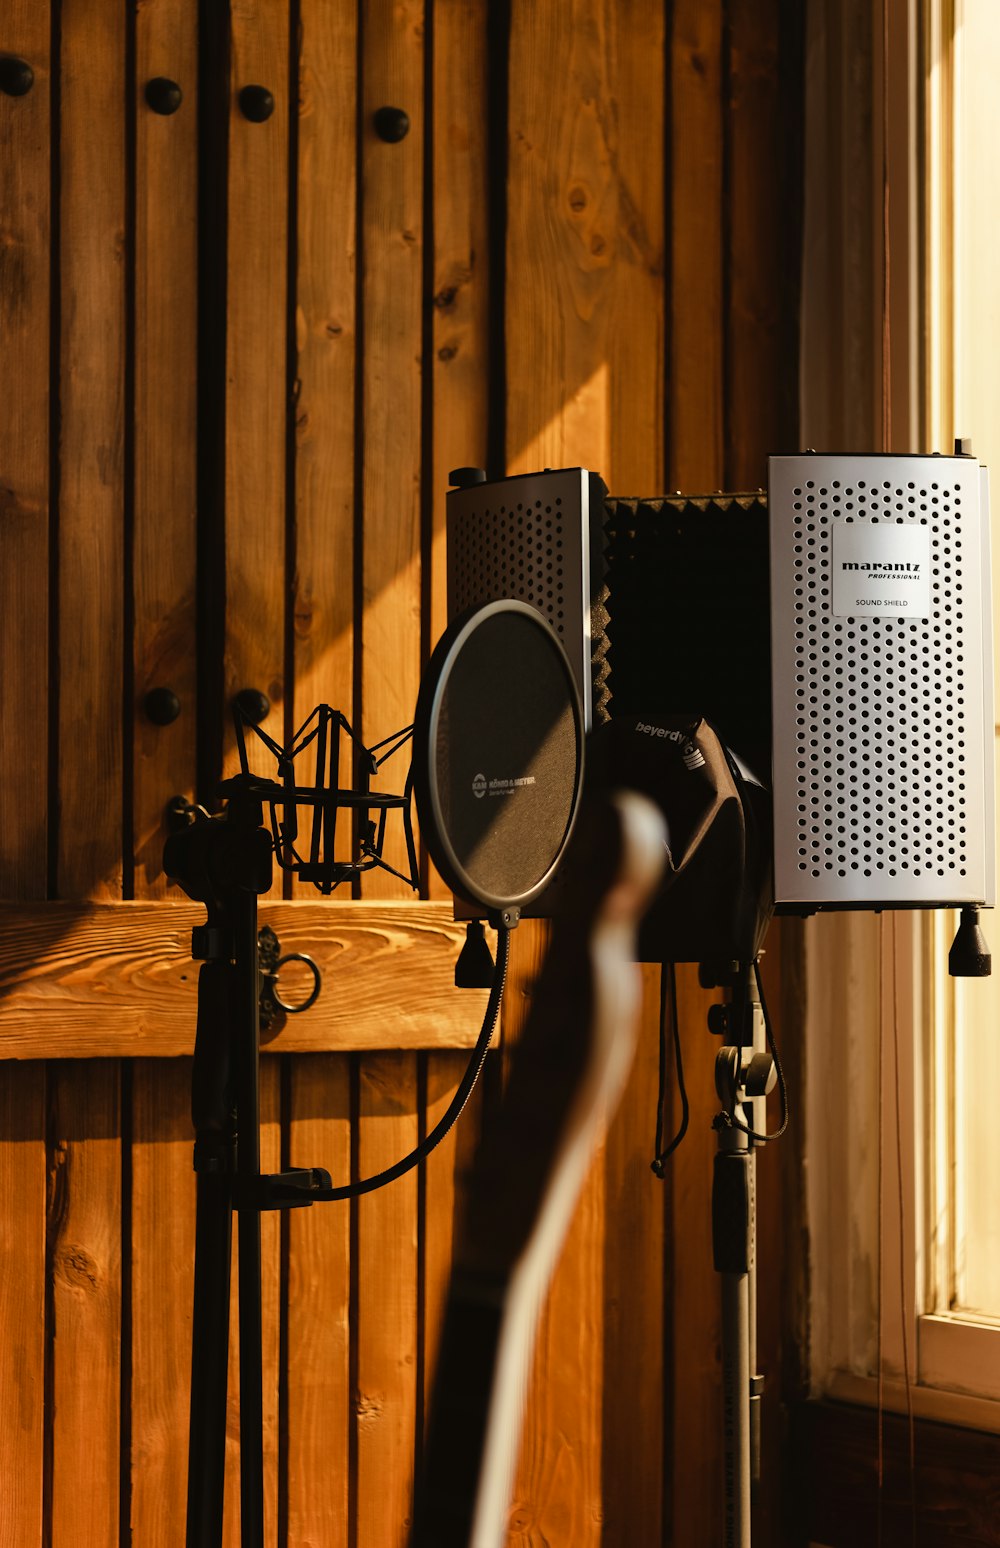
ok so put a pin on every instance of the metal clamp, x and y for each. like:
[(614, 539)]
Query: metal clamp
[(271, 963)]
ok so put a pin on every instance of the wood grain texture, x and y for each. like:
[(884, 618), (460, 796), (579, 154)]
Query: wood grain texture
[(22, 1302), (24, 455), (323, 598), (391, 237), (836, 1497), (164, 412), (392, 69), (85, 1267), (164, 563), (92, 980), (25, 223), (697, 301), (585, 338), (256, 401), (444, 1175), (763, 295), (696, 1360), (270, 1258), (385, 1403), (459, 364), (585, 246), (696, 461), (91, 447), (635, 1298), (319, 1406), (162, 1282)]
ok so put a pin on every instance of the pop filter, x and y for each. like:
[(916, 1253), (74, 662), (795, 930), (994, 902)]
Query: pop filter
[(498, 756)]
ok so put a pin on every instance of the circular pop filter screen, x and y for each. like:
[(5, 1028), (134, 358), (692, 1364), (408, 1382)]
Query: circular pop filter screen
[(498, 754)]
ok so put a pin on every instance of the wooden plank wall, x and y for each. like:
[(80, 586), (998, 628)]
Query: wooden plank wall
[(582, 251)]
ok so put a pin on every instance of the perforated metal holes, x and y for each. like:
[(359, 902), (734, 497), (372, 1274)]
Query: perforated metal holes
[(881, 702), (514, 550)]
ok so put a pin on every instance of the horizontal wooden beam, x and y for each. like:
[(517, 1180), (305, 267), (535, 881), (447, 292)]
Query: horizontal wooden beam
[(86, 980)]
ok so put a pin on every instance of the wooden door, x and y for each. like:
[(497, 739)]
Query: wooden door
[(246, 337)]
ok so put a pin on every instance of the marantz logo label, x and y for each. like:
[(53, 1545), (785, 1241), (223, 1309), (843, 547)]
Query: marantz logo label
[(881, 568), (496, 787)]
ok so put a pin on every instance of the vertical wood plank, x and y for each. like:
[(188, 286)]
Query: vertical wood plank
[(255, 473), (164, 560), (85, 1220), (444, 1173), (255, 371), (22, 1301), (270, 1257), (165, 383), (386, 1397), (763, 221), (696, 260), (696, 457), (696, 1398), (585, 330), (25, 124), (24, 457), (635, 1301), (85, 1258), (585, 251), (318, 1290), (91, 449), (325, 367), (391, 235), (163, 1218), (318, 1309), (459, 364), (392, 257), (458, 371)]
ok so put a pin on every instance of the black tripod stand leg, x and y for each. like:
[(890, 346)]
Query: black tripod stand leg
[(214, 1158), (246, 1056), (251, 1382), (210, 1362)]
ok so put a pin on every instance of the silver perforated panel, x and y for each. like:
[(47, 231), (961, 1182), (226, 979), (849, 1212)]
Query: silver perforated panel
[(883, 717), (527, 538)]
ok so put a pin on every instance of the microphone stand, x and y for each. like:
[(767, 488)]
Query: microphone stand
[(225, 863), (744, 1074)]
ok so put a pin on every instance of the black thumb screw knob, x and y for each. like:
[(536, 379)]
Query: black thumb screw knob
[(253, 705), (163, 95), (256, 104), (392, 125), (16, 76), (162, 706), (466, 478)]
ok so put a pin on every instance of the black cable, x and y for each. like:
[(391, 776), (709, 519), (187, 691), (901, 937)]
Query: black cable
[(668, 976), (730, 1119), (472, 1071)]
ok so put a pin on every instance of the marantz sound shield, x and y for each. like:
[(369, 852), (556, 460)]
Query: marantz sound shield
[(498, 755), (882, 673), (837, 635)]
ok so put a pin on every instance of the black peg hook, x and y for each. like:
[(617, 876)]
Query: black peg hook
[(253, 705), (163, 95), (16, 76), (256, 104), (162, 706), (392, 124)]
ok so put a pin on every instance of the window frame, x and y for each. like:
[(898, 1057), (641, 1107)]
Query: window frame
[(880, 1012)]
